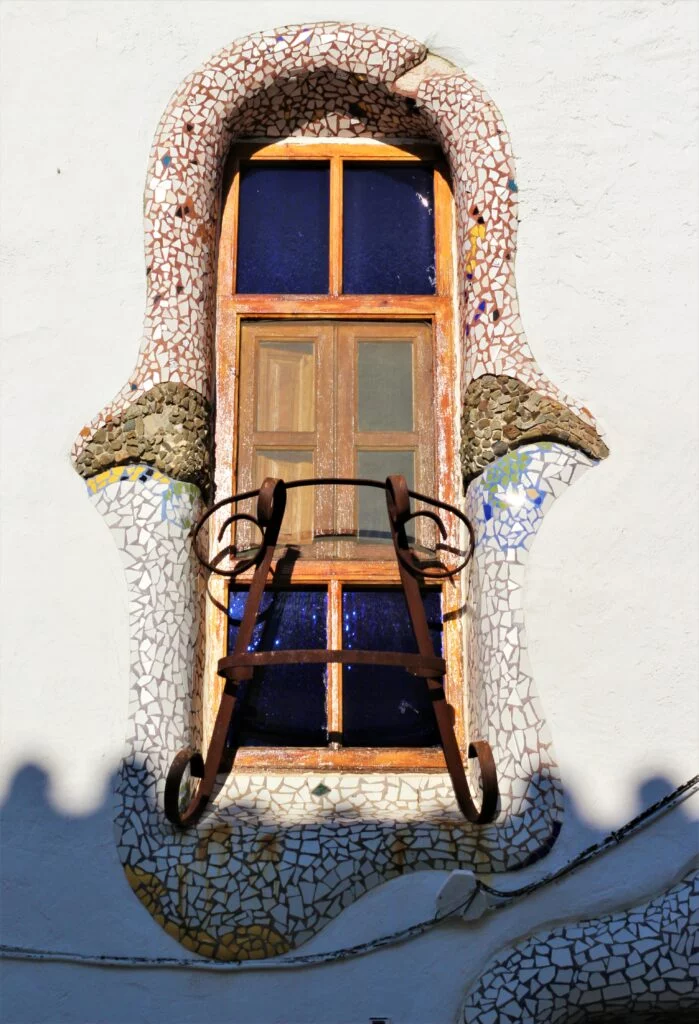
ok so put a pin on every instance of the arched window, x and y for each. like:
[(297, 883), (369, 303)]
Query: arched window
[(335, 357)]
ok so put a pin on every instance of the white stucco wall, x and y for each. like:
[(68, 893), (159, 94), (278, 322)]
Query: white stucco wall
[(600, 101)]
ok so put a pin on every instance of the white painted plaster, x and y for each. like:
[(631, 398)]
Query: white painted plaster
[(600, 102)]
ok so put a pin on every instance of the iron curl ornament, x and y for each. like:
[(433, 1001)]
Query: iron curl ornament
[(240, 665)]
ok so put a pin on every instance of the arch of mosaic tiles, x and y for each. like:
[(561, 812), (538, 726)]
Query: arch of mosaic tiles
[(278, 857)]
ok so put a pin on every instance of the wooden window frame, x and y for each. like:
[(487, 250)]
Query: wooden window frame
[(439, 310)]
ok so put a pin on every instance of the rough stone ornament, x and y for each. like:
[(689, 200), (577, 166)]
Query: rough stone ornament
[(501, 413), (167, 427)]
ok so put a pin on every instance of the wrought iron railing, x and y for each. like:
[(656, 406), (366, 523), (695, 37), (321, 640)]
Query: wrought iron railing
[(240, 665)]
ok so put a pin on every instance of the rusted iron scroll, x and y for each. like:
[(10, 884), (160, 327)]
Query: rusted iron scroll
[(240, 665), (399, 514), (271, 503)]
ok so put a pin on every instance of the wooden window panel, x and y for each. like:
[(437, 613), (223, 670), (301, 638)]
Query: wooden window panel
[(420, 440), (252, 443), (335, 440)]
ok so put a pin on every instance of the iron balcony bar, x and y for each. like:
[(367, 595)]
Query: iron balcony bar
[(240, 665)]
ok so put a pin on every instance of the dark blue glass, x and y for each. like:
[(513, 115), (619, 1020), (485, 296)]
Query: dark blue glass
[(283, 705), (388, 232), (284, 228), (386, 707)]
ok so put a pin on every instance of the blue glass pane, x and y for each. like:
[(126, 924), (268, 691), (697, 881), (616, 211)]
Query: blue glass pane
[(388, 239), (386, 707), (282, 705), (283, 228)]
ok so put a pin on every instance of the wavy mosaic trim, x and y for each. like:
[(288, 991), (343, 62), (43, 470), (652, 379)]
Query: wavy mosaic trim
[(640, 965), (276, 857)]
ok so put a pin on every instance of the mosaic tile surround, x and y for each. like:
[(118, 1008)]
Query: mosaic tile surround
[(277, 857), (640, 965)]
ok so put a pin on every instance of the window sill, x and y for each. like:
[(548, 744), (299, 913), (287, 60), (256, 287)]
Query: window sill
[(347, 759)]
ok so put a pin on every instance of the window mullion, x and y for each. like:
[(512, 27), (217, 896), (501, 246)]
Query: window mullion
[(335, 248), (334, 698)]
